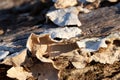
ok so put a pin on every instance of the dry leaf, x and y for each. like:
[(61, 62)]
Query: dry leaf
[(18, 73), (16, 60)]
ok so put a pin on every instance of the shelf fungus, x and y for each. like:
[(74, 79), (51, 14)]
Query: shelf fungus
[(65, 17), (103, 50), (64, 32), (65, 3), (45, 57)]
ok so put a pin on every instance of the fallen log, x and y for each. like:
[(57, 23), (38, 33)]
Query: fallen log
[(102, 21)]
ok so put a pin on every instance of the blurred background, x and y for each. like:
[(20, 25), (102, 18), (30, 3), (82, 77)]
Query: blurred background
[(15, 14)]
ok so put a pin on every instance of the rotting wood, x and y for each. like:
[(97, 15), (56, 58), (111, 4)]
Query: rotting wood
[(102, 21), (97, 25)]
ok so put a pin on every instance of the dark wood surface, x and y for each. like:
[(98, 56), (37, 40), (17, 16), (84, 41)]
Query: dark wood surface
[(102, 21)]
